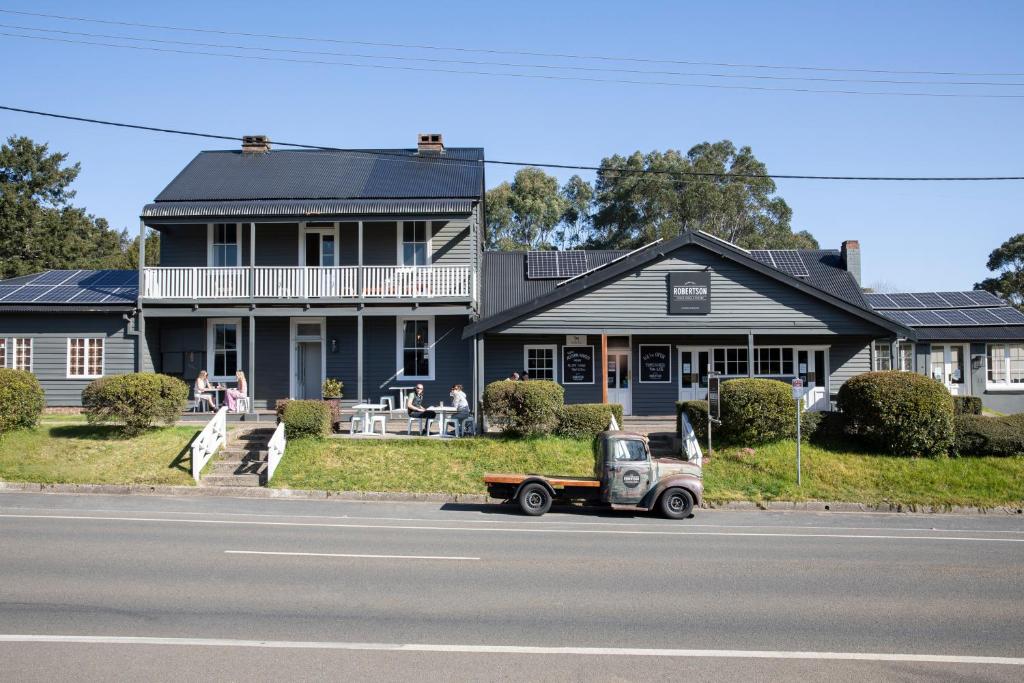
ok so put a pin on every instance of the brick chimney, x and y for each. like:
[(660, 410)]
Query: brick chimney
[(851, 258), (430, 143), (255, 144)]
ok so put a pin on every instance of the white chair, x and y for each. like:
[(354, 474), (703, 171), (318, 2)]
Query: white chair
[(469, 426), (243, 405), (419, 421), (454, 423), (381, 420), (356, 424), (388, 401)]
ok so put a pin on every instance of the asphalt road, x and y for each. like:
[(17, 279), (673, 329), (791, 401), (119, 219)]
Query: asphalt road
[(101, 587)]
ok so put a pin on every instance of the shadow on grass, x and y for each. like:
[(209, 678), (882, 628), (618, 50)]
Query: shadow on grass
[(183, 456), (86, 431)]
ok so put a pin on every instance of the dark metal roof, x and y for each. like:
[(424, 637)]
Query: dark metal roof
[(302, 208), (318, 174), (952, 316), (967, 334), (823, 282), (71, 290)]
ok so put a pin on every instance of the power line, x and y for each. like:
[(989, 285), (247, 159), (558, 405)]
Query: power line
[(576, 167), (550, 77), (559, 55), (561, 67)]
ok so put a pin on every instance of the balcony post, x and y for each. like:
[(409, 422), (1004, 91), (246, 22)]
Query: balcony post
[(252, 262), (360, 281)]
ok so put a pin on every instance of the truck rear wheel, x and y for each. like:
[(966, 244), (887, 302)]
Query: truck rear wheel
[(534, 499), (676, 504)]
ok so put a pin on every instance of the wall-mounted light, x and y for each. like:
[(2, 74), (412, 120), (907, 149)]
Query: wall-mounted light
[(334, 345)]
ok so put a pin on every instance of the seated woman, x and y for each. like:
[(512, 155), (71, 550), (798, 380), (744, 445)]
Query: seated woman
[(202, 392), (460, 402), (239, 391)]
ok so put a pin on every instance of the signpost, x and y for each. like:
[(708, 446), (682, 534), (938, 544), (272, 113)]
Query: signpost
[(798, 394), (714, 403)]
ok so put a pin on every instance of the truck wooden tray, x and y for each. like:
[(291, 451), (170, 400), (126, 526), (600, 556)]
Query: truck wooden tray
[(555, 482)]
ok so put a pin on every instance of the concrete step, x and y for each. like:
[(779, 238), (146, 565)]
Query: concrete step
[(244, 453), (232, 480), (238, 467)]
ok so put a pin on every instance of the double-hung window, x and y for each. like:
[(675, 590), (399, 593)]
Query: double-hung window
[(415, 343), (85, 358), (415, 243), (906, 357), (883, 356), (223, 344), (21, 358), (224, 245), (539, 361), (1006, 364), (3, 353)]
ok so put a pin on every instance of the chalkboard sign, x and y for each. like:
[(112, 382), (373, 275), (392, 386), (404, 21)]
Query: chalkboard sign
[(655, 363), (577, 364)]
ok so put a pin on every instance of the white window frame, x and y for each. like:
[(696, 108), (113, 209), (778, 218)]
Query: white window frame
[(13, 353), (211, 350), (899, 356), (209, 243), (782, 360), (333, 229), (640, 375), (89, 342), (3, 352), (428, 233), (725, 349), (593, 364), (400, 348), (877, 356), (553, 348), (1001, 384)]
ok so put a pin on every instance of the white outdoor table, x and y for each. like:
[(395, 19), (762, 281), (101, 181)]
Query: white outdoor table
[(402, 392), (441, 411), (367, 410)]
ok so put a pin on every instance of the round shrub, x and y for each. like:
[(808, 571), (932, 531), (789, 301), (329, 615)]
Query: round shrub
[(137, 401), (586, 420), (967, 405), (529, 407), (980, 435), (902, 413), (306, 418), (757, 411), (21, 400), (697, 413)]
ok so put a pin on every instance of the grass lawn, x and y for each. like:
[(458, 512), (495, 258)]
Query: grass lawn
[(433, 466), (85, 454)]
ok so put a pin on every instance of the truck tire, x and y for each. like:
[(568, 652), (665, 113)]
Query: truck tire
[(676, 503), (534, 499)]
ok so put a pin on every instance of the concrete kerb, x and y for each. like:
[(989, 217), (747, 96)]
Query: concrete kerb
[(386, 496)]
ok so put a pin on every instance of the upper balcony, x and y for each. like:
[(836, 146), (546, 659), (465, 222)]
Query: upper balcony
[(302, 283)]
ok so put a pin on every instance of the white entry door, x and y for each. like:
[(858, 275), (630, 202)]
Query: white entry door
[(949, 367), (693, 373), (619, 379)]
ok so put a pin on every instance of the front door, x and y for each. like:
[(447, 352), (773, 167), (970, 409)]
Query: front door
[(619, 379), (628, 471), (693, 374), (948, 366), (811, 368), (307, 377)]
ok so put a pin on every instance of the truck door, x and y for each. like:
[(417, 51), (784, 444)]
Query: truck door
[(628, 471)]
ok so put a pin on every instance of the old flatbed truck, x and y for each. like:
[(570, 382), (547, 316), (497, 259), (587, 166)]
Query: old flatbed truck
[(625, 474)]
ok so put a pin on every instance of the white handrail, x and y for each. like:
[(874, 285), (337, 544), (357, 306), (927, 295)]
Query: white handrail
[(275, 450), (212, 437)]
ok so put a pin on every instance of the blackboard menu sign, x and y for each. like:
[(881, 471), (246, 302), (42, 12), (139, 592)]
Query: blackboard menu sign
[(577, 364), (689, 293), (655, 363)]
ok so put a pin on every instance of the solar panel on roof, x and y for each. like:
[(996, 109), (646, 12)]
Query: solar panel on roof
[(53, 277), (764, 256), (957, 299), (953, 316), (983, 298), (572, 263), (982, 316), (1007, 315), (928, 318), (60, 294), (877, 300), (931, 300), (905, 300), (789, 261), (542, 264), (123, 294), (902, 317)]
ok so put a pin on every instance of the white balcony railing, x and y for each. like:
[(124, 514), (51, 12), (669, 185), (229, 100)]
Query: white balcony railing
[(301, 282)]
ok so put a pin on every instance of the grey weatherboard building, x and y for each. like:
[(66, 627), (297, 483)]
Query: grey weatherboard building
[(368, 266)]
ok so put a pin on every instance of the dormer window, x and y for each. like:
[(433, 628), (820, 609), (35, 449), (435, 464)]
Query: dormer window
[(225, 250)]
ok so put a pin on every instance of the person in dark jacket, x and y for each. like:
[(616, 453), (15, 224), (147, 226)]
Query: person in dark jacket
[(415, 408)]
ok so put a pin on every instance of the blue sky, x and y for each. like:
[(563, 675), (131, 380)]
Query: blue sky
[(914, 236)]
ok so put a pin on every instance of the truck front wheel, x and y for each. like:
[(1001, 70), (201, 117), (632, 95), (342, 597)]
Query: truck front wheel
[(534, 499), (676, 504)]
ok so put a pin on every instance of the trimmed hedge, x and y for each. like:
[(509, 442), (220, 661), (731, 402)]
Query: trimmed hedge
[(697, 412), (136, 400), (980, 435), (586, 420), (967, 405), (306, 418), (902, 413), (21, 400), (756, 411), (523, 407)]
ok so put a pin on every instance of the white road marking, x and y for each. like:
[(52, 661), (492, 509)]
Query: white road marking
[(516, 649), (554, 519), (517, 529), (371, 557)]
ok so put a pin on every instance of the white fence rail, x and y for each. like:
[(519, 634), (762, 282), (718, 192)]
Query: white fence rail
[(209, 440), (308, 282), (275, 450)]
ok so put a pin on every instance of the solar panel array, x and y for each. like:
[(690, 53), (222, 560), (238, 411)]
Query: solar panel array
[(786, 260), (946, 317), (933, 300), (115, 287), (555, 265)]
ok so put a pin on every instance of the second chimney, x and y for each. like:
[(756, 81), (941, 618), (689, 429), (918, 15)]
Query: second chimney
[(430, 143), (255, 144), (851, 258)]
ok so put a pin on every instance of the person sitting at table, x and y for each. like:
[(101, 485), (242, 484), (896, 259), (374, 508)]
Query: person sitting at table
[(514, 377), (415, 407), (239, 391), (525, 376), (460, 403), (202, 391)]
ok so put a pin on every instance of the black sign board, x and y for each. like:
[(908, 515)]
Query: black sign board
[(689, 293), (577, 364), (655, 363), (714, 404)]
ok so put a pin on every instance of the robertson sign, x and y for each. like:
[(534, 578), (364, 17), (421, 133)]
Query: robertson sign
[(689, 293)]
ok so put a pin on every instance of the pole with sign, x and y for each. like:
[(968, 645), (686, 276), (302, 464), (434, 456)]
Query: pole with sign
[(714, 403), (798, 395)]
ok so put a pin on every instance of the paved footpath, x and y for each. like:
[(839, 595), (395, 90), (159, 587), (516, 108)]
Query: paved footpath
[(112, 587)]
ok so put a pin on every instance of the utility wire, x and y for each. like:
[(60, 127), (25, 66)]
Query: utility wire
[(506, 74), (558, 55), (439, 159), (521, 65)]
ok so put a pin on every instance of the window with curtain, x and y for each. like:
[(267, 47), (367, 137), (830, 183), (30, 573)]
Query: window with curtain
[(883, 357), (1005, 364), (906, 357)]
